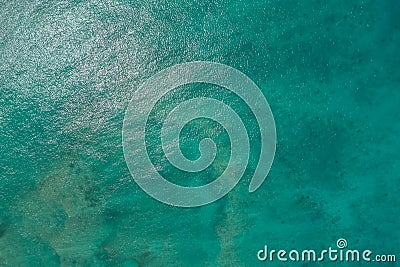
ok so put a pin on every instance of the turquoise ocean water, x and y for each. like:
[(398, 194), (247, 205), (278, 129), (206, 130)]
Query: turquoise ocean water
[(68, 69)]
